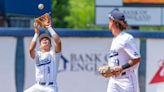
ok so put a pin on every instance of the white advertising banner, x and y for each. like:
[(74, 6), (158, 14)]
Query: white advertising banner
[(155, 65), (163, 16), (133, 15), (77, 69), (109, 2), (84, 55), (7, 68)]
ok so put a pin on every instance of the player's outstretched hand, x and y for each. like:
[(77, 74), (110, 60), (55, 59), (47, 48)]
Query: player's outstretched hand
[(36, 27)]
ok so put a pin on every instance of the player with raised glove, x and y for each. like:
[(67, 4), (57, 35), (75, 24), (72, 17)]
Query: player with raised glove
[(46, 58)]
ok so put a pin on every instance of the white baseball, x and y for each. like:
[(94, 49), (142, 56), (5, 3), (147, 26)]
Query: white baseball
[(41, 6)]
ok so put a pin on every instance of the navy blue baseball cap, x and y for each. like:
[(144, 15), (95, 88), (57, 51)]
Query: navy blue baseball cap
[(115, 14)]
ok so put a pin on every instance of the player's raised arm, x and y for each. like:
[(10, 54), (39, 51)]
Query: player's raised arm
[(48, 25), (34, 40), (56, 38)]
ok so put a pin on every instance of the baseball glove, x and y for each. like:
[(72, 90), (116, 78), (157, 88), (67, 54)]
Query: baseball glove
[(44, 20), (106, 71)]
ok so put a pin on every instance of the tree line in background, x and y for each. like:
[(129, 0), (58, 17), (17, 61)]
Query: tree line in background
[(76, 14), (80, 14)]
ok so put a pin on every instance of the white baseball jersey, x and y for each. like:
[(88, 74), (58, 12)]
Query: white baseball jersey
[(46, 68), (123, 49), (46, 72)]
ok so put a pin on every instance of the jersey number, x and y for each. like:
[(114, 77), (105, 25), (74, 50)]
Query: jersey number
[(117, 62), (48, 69)]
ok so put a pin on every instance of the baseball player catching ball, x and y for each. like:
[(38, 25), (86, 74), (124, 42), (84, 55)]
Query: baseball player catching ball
[(46, 58), (123, 57)]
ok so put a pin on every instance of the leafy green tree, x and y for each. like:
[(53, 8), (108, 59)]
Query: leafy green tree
[(59, 11), (76, 14), (81, 14), (152, 28)]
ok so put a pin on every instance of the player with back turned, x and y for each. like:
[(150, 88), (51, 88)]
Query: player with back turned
[(46, 58), (123, 57)]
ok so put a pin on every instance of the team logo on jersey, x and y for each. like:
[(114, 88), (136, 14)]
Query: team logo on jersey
[(136, 54), (112, 53), (43, 62), (159, 76)]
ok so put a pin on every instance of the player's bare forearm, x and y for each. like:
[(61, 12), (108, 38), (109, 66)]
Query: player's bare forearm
[(32, 49), (57, 40), (130, 63), (34, 39), (134, 61)]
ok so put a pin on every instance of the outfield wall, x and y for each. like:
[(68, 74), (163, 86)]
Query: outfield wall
[(83, 51)]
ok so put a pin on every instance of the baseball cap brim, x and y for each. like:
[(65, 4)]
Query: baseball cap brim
[(44, 36)]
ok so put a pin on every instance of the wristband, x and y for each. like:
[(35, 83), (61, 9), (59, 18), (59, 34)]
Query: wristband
[(35, 37), (125, 66), (52, 32)]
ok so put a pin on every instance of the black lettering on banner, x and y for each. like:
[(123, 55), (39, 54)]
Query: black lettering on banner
[(86, 62), (138, 15), (73, 62)]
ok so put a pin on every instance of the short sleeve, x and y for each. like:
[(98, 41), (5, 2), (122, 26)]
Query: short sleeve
[(131, 48), (37, 54), (57, 56)]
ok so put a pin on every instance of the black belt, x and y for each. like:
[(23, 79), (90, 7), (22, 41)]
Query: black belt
[(124, 73), (44, 83)]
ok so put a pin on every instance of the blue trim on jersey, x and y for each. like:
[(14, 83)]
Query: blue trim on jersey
[(113, 55), (77, 33), (43, 64)]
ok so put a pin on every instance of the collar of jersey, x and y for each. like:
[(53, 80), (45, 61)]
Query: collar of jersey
[(119, 34)]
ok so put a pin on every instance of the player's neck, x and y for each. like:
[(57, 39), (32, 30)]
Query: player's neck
[(116, 32), (44, 50)]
